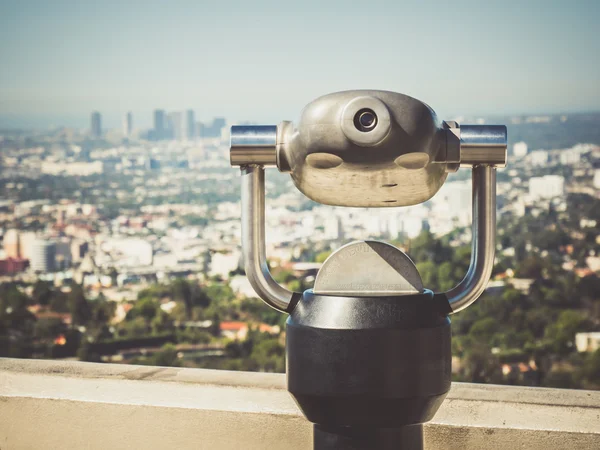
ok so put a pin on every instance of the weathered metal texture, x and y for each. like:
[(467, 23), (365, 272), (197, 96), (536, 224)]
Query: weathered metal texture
[(72, 405), (335, 163)]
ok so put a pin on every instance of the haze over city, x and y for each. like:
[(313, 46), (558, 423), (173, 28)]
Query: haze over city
[(263, 61), (120, 208)]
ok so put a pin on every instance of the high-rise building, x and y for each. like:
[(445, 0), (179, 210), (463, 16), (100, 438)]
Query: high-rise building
[(200, 129), (218, 124), (176, 125), (214, 129), (26, 240), (62, 255), (79, 249), (128, 124), (159, 124), (96, 124), (12, 245), (43, 256), (189, 125)]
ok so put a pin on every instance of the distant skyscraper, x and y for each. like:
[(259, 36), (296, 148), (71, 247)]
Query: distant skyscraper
[(12, 245), (128, 124), (190, 125), (43, 256), (159, 124), (200, 129), (96, 125), (218, 123), (176, 123), (213, 130)]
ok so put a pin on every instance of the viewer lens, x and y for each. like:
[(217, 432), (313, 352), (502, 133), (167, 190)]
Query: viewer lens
[(365, 120)]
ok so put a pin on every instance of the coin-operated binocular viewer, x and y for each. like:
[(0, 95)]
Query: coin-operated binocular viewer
[(368, 348)]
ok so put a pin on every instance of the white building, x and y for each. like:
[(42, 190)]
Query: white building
[(570, 157), (333, 228), (539, 158), (412, 226), (597, 179), (222, 264), (453, 201), (548, 186), (241, 285), (520, 149), (587, 342), (74, 168), (12, 245), (128, 252), (26, 240)]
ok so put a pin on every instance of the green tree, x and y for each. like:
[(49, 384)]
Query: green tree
[(561, 334), (321, 257), (48, 329), (134, 327), (269, 355), (79, 307), (167, 356), (16, 323), (146, 308), (59, 302), (480, 365), (85, 353), (42, 293), (484, 329), (590, 371), (183, 292)]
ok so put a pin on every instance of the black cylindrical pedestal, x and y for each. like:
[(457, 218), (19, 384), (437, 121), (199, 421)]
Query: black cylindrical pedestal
[(369, 371), (351, 438)]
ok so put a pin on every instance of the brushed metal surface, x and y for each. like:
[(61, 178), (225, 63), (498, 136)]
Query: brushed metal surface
[(368, 268), (253, 241), (483, 247), (253, 144), (483, 144), (391, 165)]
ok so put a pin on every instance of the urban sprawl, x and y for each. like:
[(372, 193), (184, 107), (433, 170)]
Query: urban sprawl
[(124, 245)]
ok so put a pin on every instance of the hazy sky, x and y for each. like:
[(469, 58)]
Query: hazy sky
[(263, 61)]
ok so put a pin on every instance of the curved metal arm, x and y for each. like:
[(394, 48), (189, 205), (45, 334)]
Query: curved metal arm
[(253, 242), (484, 240)]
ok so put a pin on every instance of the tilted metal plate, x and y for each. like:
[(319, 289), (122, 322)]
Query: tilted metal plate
[(368, 268)]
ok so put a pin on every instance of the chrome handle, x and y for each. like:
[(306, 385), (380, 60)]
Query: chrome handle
[(483, 240), (253, 242)]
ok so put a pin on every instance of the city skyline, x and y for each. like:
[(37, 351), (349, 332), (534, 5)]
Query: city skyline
[(260, 63), (176, 125), (118, 121)]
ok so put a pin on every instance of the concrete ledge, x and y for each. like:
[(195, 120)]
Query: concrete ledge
[(72, 405)]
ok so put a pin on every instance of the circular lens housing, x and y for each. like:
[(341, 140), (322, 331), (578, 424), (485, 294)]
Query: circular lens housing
[(365, 120)]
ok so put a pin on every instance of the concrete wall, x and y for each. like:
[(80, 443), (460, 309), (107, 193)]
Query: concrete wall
[(72, 405)]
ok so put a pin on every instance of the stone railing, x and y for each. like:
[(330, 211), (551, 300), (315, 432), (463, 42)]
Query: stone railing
[(73, 405)]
